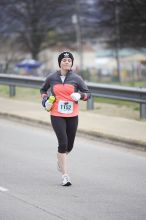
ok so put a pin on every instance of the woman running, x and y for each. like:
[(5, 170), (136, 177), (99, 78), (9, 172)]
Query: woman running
[(67, 88)]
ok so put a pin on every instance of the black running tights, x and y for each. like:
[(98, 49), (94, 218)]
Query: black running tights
[(65, 129)]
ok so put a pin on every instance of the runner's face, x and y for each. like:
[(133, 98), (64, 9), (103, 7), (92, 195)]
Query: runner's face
[(66, 64)]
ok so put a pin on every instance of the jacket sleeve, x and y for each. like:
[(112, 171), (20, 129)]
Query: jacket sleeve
[(45, 87), (83, 90)]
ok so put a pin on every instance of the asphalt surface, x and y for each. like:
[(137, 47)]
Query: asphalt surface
[(109, 183)]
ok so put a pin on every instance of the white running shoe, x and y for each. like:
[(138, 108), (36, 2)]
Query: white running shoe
[(66, 180)]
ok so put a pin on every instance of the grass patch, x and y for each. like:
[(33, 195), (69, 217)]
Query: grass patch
[(4, 91), (141, 84), (27, 94), (119, 103)]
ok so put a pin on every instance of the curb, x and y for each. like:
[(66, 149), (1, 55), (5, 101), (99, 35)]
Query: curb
[(128, 143)]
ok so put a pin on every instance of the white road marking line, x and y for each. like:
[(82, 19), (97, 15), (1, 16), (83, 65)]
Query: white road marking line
[(2, 189)]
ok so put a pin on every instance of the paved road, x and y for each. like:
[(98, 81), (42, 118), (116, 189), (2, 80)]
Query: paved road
[(109, 182)]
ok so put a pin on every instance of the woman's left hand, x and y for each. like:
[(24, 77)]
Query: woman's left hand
[(76, 96)]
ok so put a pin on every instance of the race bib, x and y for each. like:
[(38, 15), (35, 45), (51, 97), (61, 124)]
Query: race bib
[(65, 107)]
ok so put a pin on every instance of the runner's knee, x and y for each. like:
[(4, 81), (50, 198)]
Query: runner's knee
[(69, 148), (62, 148)]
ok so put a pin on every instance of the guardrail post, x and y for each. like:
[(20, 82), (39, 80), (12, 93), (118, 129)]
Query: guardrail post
[(142, 110), (90, 103), (12, 91)]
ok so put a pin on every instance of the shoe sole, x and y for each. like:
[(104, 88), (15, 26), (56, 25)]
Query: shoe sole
[(67, 184)]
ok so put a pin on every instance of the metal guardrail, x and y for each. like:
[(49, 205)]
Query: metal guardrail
[(131, 94)]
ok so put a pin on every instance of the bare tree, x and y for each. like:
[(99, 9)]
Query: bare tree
[(103, 21), (31, 21)]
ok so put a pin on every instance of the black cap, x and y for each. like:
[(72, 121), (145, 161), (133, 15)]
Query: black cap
[(65, 54)]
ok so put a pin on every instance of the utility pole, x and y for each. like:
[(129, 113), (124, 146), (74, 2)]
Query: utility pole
[(76, 22), (117, 30)]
